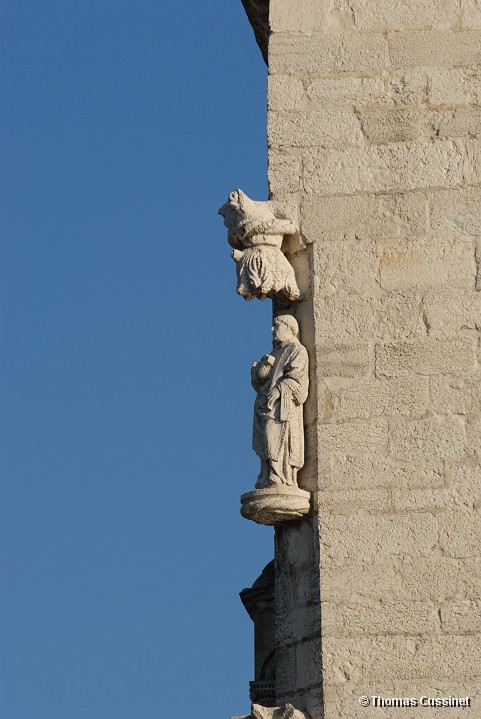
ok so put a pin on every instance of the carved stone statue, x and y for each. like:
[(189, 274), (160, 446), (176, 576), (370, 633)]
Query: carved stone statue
[(281, 380), (256, 231)]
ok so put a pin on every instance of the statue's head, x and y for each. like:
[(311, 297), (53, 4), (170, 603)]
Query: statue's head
[(284, 327)]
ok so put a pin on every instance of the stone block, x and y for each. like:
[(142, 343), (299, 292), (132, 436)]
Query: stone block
[(347, 90), (470, 14), (440, 580), (380, 659), (383, 124), (375, 398), (352, 501), (332, 126), (352, 581), (460, 532), (409, 87), (459, 121), (398, 315), (284, 173), (447, 313), (343, 319), (373, 538), (455, 213), (455, 86), (363, 216), (365, 471), (426, 357), (456, 395), (384, 168), (342, 52), (304, 17), (285, 92), (472, 165), (428, 264), (461, 617), (463, 489), (368, 15), (436, 48), (335, 359), (473, 433), (349, 266), (349, 620), (352, 436), (433, 438)]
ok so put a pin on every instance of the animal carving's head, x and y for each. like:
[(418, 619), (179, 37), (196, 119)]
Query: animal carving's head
[(237, 208)]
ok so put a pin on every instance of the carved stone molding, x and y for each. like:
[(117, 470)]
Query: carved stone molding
[(275, 505), (256, 231)]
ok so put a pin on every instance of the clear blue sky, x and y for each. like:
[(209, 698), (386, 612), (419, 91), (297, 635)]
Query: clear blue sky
[(125, 397)]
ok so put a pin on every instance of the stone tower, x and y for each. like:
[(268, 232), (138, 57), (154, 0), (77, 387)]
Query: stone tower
[(374, 130)]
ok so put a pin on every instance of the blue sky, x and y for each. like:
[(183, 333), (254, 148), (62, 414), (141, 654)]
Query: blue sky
[(124, 385)]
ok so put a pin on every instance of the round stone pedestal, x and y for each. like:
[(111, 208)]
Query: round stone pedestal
[(275, 505)]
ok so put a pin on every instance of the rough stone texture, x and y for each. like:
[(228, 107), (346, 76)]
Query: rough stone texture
[(368, 15), (384, 168), (427, 357), (375, 133), (363, 216)]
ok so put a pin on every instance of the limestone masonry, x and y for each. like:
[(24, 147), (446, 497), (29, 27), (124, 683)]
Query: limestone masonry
[(374, 132)]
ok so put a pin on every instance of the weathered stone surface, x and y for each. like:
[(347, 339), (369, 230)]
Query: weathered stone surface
[(256, 231), (473, 432), (343, 319), (462, 489), (398, 315), (351, 436), (427, 357), (436, 48), (335, 359), (456, 395), (368, 15), (347, 90), (422, 579), (352, 501), (376, 537), (410, 87), (308, 129), (284, 173), (383, 658), (455, 86), (381, 125), (347, 620), (454, 213), (375, 398), (429, 264), (472, 165), (462, 617), (459, 121), (363, 216), (349, 51), (432, 438), (346, 266), (382, 168), (367, 471), (285, 92), (447, 313), (470, 14), (459, 533), (273, 506)]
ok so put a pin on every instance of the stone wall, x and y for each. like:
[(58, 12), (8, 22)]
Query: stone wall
[(374, 129)]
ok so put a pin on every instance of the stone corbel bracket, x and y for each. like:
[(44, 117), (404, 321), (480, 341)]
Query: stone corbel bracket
[(260, 233)]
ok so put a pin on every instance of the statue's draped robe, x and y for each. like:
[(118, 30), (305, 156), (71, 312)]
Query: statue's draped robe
[(279, 432)]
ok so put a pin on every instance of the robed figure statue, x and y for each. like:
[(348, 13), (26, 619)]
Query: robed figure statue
[(281, 381)]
